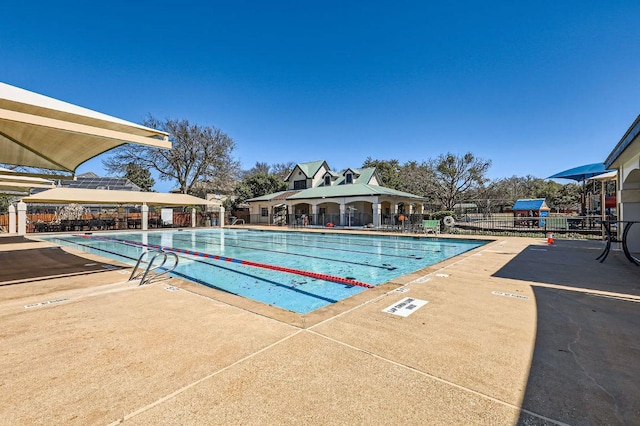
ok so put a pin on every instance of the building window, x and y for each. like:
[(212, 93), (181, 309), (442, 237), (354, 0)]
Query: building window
[(327, 180), (264, 212), (300, 184), (349, 178)]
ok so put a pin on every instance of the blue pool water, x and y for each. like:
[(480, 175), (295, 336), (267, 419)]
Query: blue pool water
[(370, 259)]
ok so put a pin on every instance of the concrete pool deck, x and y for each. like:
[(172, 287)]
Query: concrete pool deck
[(514, 332)]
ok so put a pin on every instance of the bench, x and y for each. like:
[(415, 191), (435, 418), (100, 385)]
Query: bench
[(556, 223), (431, 226)]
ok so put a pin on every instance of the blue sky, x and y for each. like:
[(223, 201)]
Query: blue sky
[(535, 87)]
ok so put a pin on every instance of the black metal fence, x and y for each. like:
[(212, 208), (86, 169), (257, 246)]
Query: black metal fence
[(489, 224), (507, 224)]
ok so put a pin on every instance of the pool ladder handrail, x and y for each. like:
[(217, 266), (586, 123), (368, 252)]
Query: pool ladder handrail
[(151, 268)]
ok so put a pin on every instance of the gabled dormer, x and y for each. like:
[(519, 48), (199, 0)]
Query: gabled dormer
[(328, 178), (350, 176), (307, 175)]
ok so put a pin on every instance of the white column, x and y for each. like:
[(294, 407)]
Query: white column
[(193, 217), (343, 209), (376, 214), (314, 214), (394, 214), (221, 217), (145, 217), (12, 219), (22, 218)]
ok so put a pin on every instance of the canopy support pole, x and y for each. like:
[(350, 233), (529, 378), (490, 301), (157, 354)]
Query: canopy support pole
[(145, 217), (22, 218), (12, 219)]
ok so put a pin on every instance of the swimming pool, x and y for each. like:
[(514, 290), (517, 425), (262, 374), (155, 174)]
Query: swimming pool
[(366, 259)]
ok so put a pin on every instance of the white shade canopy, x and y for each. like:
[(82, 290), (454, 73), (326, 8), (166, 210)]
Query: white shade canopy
[(606, 176), (105, 196), (12, 183), (38, 131)]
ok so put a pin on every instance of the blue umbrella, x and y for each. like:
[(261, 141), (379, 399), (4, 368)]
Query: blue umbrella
[(581, 174)]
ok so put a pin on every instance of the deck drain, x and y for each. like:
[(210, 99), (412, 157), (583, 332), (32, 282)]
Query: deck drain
[(421, 280)]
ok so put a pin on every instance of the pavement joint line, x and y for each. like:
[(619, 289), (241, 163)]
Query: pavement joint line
[(439, 379), (300, 330), (590, 292), (626, 298), (390, 292), (200, 380)]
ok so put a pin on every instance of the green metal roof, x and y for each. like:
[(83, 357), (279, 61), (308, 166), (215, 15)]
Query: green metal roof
[(282, 195), (364, 176), (349, 190), (309, 169)]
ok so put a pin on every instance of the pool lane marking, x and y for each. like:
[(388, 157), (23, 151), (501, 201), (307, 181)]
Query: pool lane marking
[(206, 284), (401, 241), (315, 275), (388, 268), (329, 241), (319, 247)]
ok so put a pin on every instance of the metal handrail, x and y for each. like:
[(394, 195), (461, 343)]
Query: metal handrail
[(151, 268)]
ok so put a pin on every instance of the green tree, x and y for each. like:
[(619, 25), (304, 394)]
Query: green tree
[(139, 176), (5, 201), (256, 186), (198, 154), (568, 197), (389, 171)]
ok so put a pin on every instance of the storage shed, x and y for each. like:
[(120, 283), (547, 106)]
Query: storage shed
[(530, 208)]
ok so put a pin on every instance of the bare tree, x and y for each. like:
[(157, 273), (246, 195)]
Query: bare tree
[(454, 175), (282, 170), (198, 154), (416, 178)]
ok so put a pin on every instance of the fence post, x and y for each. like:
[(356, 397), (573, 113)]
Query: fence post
[(221, 217)]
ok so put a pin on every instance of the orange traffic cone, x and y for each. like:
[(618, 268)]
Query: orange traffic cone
[(550, 238)]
